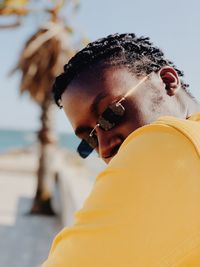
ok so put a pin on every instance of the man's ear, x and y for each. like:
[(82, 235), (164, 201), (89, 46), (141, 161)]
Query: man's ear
[(171, 79)]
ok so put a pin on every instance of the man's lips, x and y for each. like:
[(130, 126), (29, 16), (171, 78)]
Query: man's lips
[(113, 152)]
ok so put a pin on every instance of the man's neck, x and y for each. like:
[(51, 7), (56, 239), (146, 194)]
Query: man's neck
[(189, 105), (193, 107)]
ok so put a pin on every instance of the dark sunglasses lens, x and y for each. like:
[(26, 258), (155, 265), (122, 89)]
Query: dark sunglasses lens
[(92, 141), (112, 116), (84, 149)]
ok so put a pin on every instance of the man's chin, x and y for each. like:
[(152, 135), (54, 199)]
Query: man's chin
[(112, 154), (108, 159)]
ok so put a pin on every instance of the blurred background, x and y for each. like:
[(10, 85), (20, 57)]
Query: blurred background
[(42, 180)]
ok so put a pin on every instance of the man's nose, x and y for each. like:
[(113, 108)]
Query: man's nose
[(107, 141)]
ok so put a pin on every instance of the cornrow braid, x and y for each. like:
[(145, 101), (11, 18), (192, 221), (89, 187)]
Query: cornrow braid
[(137, 54)]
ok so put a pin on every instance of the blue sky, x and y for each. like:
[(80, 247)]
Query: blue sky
[(173, 25)]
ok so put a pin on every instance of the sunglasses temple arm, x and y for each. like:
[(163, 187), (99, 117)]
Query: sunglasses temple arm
[(133, 89)]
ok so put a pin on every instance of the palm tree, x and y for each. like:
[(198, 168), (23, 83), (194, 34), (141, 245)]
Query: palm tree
[(42, 58)]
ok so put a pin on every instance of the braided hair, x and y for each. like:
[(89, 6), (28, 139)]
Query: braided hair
[(138, 55)]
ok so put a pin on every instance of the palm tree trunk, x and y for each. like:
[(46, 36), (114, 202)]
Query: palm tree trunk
[(46, 173)]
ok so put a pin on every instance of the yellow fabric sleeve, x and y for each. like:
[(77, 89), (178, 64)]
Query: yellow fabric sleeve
[(144, 209)]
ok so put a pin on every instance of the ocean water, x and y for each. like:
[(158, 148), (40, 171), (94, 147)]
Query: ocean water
[(16, 139)]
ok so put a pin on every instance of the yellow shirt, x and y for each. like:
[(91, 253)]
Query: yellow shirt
[(144, 209)]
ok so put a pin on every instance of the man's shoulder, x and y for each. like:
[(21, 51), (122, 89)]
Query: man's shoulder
[(168, 136)]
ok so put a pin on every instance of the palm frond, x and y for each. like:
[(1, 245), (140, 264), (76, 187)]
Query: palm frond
[(43, 58)]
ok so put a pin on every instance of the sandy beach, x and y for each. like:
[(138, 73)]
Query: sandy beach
[(29, 237)]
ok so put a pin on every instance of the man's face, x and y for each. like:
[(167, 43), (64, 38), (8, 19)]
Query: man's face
[(88, 95)]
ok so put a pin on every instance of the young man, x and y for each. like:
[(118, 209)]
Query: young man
[(129, 103)]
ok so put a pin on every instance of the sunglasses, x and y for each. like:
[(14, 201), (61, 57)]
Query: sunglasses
[(112, 116)]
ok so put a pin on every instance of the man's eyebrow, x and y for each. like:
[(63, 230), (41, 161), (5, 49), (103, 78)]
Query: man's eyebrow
[(94, 109), (82, 129), (96, 101)]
